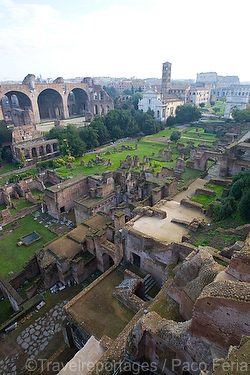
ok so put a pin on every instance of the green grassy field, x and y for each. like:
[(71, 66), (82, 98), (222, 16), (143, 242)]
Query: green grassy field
[(13, 257), (199, 134), (204, 199)]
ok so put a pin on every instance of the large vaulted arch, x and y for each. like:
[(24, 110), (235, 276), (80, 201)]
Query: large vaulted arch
[(50, 105), (17, 108), (77, 102)]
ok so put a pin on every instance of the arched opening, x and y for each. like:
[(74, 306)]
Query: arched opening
[(55, 147), (101, 109), (41, 151), (107, 109), (77, 102), (26, 154), (34, 152), (50, 105), (107, 262), (48, 148), (95, 109), (17, 108)]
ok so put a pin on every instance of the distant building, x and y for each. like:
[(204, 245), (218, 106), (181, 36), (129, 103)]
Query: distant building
[(181, 91), (210, 77), (215, 80), (128, 85), (152, 100), (198, 95)]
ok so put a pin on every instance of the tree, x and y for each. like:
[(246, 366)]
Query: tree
[(241, 115), (171, 121), (225, 208), (202, 105), (23, 159), (244, 206), (136, 98), (175, 136), (111, 91), (5, 134), (236, 190), (89, 136), (212, 103), (127, 92), (187, 113), (75, 146)]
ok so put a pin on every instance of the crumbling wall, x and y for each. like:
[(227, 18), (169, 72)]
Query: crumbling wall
[(222, 313)]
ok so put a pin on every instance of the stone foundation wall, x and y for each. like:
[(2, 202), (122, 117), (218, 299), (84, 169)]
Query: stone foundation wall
[(221, 321), (30, 270), (188, 203), (19, 215)]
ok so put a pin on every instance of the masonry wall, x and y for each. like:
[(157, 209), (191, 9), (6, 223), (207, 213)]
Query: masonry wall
[(221, 321), (154, 255), (65, 196)]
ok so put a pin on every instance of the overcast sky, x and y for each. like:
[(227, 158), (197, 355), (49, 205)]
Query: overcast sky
[(123, 38)]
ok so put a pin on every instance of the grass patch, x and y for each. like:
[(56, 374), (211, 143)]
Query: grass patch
[(213, 238), (204, 199), (13, 257), (200, 134), (164, 133), (20, 204)]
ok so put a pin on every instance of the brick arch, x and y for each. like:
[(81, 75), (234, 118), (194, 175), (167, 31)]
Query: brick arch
[(50, 104), (38, 91), (107, 261), (11, 111), (77, 102)]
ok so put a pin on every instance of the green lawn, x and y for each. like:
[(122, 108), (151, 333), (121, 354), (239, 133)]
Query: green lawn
[(200, 134), (164, 133), (204, 199), (13, 257), (20, 203), (221, 105), (144, 147)]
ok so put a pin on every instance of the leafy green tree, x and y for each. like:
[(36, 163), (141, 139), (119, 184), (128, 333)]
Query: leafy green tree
[(187, 113), (5, 134), (241, 115), (74, 146), (212, 103), (244, 206), (136, 98), (7, 154), (89, 136), (202, 105), (237, 188), (216, 109), (171, 121), (127, 92), (23, 160), (111, 91), (175, 136), (1, 156), (225, 208)]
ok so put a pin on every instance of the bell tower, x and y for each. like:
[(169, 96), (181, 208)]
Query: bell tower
[(166, 77)]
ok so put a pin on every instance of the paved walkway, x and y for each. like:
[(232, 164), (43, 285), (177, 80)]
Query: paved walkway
[(34, 338)]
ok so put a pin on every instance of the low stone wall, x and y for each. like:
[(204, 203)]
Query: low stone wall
[(25, 211), (30, 270), (220, 181), (207, 192), (188, 203)]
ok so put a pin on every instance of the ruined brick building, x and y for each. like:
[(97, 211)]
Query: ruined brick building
[(31, 102)]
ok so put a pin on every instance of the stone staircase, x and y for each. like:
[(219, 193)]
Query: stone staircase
[(149, 283)]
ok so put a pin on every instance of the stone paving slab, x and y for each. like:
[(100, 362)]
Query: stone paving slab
[(34, 339)]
